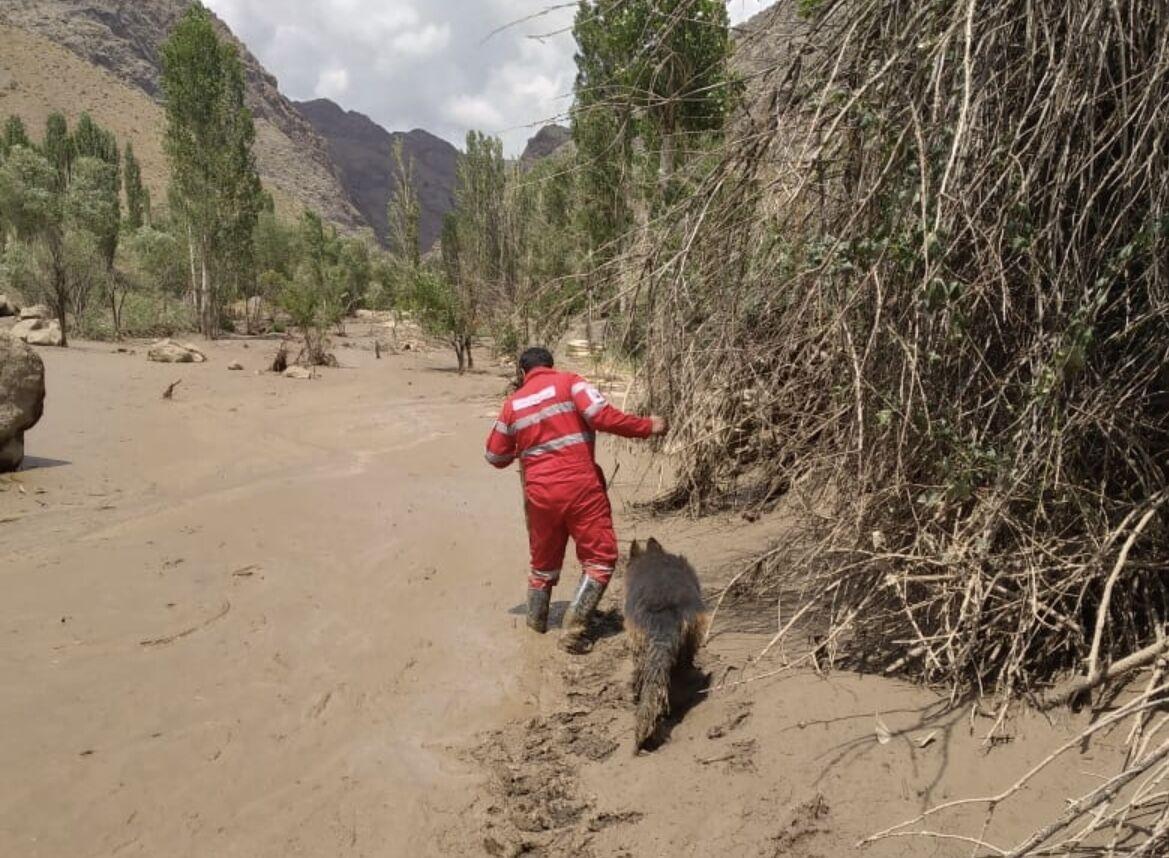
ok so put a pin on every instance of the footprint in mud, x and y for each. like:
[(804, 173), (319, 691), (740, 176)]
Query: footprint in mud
[(734, 720), (807, 820)]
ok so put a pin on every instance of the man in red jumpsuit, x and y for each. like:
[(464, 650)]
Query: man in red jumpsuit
[(550, 425)]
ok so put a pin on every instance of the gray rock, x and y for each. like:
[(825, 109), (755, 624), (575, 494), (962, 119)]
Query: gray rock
[(37, 311), (22, 398), (8, 307), (297, 371), (235, 366)]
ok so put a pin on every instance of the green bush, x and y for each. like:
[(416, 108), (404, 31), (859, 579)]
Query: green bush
[(145, 315)]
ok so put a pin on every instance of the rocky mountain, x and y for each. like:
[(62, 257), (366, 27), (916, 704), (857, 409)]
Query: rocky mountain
[(362, 151), (119, 41), (548, 140)]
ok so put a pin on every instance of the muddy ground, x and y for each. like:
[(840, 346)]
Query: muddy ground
[(280, 618)]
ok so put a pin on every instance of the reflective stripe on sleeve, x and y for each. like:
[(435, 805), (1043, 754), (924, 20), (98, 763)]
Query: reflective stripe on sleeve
[(503, 429), (558, 444), (594, 409)]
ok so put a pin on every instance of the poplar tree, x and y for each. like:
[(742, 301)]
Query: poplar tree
[(404, 211), (137, 196), (215, 189)]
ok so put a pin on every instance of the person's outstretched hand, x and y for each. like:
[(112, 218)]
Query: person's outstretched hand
[(660, 425)]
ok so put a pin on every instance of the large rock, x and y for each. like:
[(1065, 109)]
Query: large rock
[(168, 351), (8, 307), (297, 371), (22, 398), (38, 332), (37, 311)]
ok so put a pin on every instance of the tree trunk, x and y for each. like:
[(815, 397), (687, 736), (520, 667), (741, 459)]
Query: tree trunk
[(460, 355), (206, 321), (666, 169), (469, 353), (60, 286), (194, 275)]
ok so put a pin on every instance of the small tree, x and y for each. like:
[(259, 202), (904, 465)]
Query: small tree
[(439, 308), (14, 135), (313, 311)]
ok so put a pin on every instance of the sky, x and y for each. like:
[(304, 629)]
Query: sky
[(447, 66)]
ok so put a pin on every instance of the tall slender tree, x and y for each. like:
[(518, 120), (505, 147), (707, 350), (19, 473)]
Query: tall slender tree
[(215, 188), (58, 148), (91, 141), (404, 211), (137, 195)]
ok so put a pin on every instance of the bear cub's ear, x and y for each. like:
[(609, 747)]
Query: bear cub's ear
[(655, 547), (635, 550)]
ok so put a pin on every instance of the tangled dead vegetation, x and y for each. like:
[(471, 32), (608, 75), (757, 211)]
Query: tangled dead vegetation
[(932, 277)]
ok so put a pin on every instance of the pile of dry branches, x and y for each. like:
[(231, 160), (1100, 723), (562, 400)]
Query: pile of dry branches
[(932, 277)]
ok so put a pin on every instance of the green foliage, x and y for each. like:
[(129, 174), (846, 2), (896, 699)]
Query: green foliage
[(313, 308), (92, 204), (137, 195), (14, 135), (58, 148), (146, 313), (158, 260), (656, 69), (276, 245)]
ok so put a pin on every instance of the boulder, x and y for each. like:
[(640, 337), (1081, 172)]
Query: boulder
[(22, 398), (46, 334), (38, 332), (8, 307), (168, 351), (37, 311), (235, 366), (297, 371)]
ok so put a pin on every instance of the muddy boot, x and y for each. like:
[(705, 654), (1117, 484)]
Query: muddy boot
[(574, 638), (538, 601)]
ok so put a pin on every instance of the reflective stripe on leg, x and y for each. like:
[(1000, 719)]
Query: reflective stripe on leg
[(599, 573), (539, 580)]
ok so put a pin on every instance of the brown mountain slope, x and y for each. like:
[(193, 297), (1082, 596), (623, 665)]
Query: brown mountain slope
[(120, 40), (362, 151)]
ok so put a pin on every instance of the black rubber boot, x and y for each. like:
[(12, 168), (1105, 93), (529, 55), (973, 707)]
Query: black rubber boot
[(574, 638), (538, 601)]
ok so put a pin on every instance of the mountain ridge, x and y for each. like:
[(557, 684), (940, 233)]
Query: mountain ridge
[(125, 38), (363, 152)]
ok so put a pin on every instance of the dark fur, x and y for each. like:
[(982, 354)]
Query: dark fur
[(666, 619)]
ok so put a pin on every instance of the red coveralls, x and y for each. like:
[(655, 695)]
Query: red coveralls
[(549, 424)]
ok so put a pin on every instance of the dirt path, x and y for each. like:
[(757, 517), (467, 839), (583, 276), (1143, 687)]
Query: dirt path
[(278, 618)]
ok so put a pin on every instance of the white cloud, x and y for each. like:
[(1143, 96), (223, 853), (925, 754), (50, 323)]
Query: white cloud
[(474, 111), (431, 39), (443, 65), (332, 83)]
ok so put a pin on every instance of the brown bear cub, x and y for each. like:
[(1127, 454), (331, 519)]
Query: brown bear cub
[(666, 620)]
